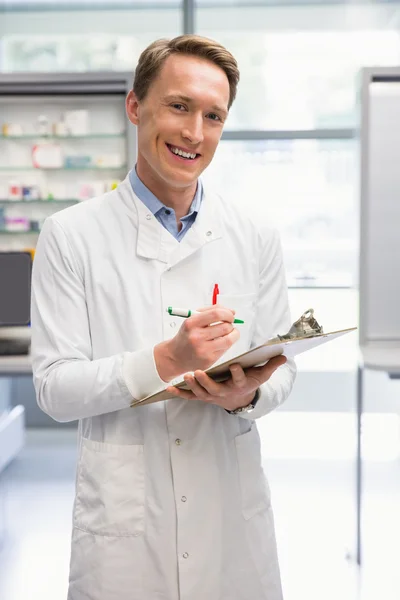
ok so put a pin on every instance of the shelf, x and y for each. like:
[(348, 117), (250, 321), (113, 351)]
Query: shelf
[(62, 201), (29, 231), (37, 136), (63, 169)]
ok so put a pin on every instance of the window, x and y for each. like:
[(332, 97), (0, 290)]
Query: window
[(306, 189), (299, 63), (87, 36)]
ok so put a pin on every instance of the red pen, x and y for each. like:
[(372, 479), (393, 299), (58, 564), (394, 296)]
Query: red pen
[(215, 294)]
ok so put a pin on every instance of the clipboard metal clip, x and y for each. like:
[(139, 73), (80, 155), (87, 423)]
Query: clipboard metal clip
[(306, 326)]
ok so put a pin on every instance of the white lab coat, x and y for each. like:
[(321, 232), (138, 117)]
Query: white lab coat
[(171, 500)]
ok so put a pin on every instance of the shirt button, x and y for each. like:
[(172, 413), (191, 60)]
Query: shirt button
[(172, 324), (167, 212), (148, 217), (178, 442), (183, 498), (185, 555)]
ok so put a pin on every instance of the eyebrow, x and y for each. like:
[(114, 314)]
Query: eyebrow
[(190, 100)]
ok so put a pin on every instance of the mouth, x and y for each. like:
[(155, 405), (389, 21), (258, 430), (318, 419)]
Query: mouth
[(181, 154)]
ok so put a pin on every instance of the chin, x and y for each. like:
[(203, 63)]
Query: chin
[(180, 181)]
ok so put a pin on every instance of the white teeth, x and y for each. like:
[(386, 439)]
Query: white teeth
[(182, 153)]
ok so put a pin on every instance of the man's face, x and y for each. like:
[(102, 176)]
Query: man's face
[(184, 111)]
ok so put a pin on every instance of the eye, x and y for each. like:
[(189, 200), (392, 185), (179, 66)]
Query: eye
[(178, 106), (214, 117)]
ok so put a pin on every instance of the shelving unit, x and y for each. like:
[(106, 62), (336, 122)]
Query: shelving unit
[(93, 154), (28, 231), (50, 169), (39, 192), (37, 136), (60, 201)]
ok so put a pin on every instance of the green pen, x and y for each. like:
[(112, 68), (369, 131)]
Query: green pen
[(186, 312)]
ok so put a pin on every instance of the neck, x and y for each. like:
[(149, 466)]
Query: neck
[(180, 199)]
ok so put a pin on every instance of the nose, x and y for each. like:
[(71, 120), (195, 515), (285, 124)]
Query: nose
[(193, 130)]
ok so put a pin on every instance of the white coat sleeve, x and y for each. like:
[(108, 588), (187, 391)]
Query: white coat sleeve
[(69, 384), (272, 317)]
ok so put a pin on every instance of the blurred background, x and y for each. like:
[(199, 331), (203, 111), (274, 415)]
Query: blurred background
[(290, 153)]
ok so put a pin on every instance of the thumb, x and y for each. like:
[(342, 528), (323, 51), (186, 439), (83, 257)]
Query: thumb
[(275, 362)]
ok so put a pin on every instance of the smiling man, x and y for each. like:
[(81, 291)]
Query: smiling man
[(171, 499)]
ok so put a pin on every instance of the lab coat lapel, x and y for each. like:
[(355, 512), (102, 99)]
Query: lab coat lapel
[(150, 238), (154, 242), (206, 229), (149, 230)]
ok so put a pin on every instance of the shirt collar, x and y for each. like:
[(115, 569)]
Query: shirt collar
[(153, 203)]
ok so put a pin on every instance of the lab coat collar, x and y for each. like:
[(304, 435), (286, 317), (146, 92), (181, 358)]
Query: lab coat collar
[(155, 242)]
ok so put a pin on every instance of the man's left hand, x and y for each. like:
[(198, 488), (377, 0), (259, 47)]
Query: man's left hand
[(236, 392)]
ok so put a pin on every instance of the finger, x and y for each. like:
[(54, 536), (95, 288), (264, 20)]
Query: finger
[(212, 387), (272, 365), (197, 389), (277, 361), (263, 373), (213, 314), (204, 308), (185, 394), (238, 376), (216, 331), (222, 344)]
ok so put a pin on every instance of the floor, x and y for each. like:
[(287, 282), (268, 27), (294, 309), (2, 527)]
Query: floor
[(314, 513)]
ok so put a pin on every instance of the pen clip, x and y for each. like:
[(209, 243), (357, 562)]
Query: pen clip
[(215, 294)]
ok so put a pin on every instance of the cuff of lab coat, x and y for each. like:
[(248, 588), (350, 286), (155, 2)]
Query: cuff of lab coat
[(140, 374)]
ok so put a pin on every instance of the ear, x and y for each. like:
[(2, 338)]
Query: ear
[(132, 107)]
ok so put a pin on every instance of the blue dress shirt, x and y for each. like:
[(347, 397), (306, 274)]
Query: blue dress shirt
[(164, 214)]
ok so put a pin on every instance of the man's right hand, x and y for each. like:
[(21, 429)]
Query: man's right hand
[(198, 344)]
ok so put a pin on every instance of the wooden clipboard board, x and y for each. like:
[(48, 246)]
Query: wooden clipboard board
[(257, 356)]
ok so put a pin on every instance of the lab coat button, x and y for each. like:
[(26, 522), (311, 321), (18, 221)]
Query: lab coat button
[(172, 324), (208, 233), (148, 217), (185, 555), (178, 442), (183, 498)]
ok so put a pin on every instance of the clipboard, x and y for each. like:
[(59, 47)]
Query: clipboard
[(256, 357)]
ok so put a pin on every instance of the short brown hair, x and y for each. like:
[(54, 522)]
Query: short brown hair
[(153, 57)]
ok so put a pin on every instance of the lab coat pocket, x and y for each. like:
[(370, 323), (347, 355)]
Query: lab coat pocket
[(110, 494), (245, 307), (255, 492)]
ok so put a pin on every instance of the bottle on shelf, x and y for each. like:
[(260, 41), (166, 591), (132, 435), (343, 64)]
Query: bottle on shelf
[(60, 128), (14, 190), (12, 130), (43, 126)]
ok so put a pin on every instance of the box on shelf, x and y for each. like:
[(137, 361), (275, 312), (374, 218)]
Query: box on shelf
[(30, 192), (47, 156), (113, 160), (79, 161), (77, 122), (17, 224)]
